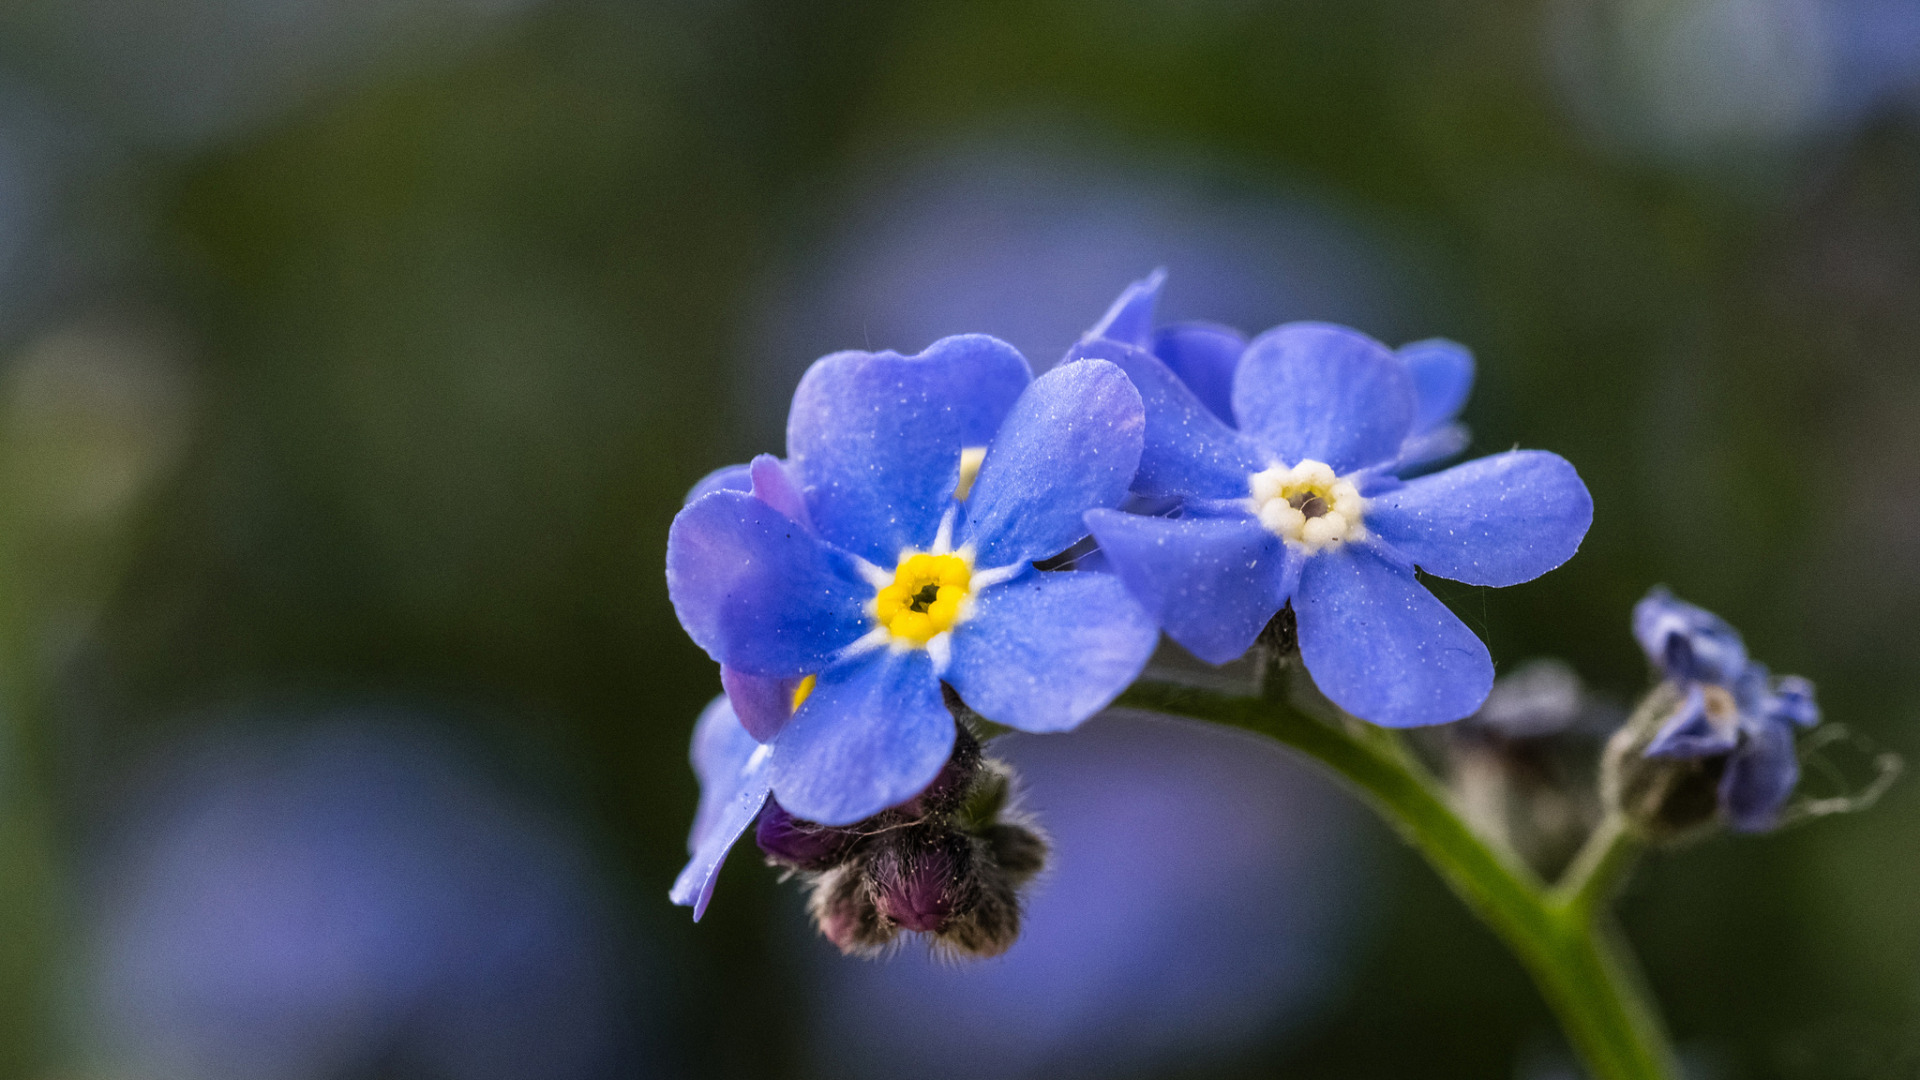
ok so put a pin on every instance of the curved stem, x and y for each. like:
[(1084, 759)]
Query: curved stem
[(1590, 880), (1575, 959)]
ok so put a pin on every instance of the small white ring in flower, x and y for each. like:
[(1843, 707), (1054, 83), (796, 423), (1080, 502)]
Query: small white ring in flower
[(1308, 505)]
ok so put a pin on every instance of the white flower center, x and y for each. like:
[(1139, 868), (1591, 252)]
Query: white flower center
[(1308, 505)]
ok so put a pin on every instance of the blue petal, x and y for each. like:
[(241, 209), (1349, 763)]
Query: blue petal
[(1047, 650), (774, 485), (1442, 373), (757, 591), (720, 752), (1499, 520), (1793, 702), (1759, 777), (873, 734), (1203, 355), (762, 702), (1538, 698), (1753, 691), (1690, 733), (876, 437), (1071, 443), (733, 787), (1186, 450), (1688, 642), (1432, 447), (1379, 644), (725, 478), (1130, 319), (1314, 390), (1212, 583)]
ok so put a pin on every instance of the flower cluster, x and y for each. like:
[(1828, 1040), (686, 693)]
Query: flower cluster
[(927, 548), (1716, 737)]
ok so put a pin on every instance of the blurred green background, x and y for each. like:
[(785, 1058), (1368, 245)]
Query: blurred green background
[(361, 353)]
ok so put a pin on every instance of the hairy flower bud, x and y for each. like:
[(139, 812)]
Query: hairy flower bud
[(991, 923), (842, 907), (1666, 799), (948, 863), (1017, 850), (800, 845), (922, 876)]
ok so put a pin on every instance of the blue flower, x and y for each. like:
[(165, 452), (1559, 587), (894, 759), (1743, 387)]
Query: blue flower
[(893, 551), (1730, 708), (1300, 505), (1204, 356)]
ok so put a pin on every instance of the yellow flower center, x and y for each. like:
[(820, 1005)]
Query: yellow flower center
[(1308, 505), (927, 596)]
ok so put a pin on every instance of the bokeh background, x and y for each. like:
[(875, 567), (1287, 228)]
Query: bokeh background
[(355, 354)]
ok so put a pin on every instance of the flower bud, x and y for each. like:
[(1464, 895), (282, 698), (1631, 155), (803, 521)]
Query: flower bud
[(1666, 798), (921, 877), (1720, 722), (952, 884), (991, 924), (800, 845), (842, 907), (949, 863), (1020, 852)]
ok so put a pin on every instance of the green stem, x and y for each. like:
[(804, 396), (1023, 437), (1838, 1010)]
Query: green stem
[(1574, 958), (1590, 880)]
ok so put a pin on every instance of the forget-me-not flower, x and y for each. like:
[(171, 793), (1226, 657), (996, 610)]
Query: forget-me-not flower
[(893, 552), (1730, 708), (1299, 503)]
